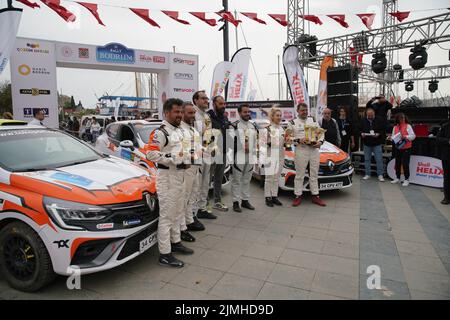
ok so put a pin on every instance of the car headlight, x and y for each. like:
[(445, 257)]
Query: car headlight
[(289, 164), (67, 211)]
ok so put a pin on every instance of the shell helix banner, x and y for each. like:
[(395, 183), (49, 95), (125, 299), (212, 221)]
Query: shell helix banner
[(295, 76), (425, 171), (237, 83)]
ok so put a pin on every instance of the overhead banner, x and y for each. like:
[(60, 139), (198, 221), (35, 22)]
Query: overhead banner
[(425, 171), (328, 62), (237, 84), (220, 78), (9, 24), (33, 80), (295, 77)]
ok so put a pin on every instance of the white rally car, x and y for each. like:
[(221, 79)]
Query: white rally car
[(65, 208), (335, 171)]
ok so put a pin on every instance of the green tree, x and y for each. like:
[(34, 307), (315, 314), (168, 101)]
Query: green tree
[(5, 97)]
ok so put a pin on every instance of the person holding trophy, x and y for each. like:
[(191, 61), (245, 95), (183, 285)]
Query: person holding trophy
[(192, 150), (204, 126), (272, 156), (307, 137)]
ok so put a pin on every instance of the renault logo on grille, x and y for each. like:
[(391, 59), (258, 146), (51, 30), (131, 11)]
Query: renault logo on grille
[(151, 202), (331, 165)]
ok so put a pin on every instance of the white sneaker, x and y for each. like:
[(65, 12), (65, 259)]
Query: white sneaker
[(381, 178), (395, 181), (405, 183), (366, 177)]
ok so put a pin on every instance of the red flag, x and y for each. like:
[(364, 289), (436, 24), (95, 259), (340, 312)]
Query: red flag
[(60, 10), (253, 16), (400, 15), (144, 14), (367, 19), (29, 4), (228, 16), (339, 18), (93, 8), (202, 16), (174, 16), (311, 18), (280, 18)]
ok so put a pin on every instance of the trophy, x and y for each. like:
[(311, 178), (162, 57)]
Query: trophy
[(246, 141), (314, 133), (210, 137), (288, 138)]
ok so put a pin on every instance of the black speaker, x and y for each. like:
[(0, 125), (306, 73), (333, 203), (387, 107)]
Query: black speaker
[(342, 88), (342, 74)]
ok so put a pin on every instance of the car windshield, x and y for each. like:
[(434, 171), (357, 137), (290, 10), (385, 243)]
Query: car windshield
[(41, 149), (144, 130)]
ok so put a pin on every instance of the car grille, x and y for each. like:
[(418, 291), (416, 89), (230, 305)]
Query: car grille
[(132, 244), (326, 170)]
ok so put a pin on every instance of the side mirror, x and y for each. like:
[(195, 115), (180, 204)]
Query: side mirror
[(127, 144)]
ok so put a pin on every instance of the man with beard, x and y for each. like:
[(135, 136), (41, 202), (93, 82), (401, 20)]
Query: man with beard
[(193, 153), (166, 150), (245, 149), (305, 154), (203, 124), (220, 122)]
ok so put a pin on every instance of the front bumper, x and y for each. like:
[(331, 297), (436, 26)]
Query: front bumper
[(329, 182)]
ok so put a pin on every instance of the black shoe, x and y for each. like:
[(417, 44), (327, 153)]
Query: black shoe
[(203, 214), (269, 202), (195, 226), (170, 261), (237, 207), (180, 248), (276, 201), (186, 236), (245, 204), (445, 201)]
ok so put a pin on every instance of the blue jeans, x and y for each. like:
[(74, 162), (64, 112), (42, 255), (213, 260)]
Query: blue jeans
[(378, 153)]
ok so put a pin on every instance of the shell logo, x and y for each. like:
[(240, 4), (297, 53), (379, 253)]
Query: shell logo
[(24, 69)]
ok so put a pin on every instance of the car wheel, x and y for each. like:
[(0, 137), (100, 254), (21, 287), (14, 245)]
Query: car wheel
[(24, 259)]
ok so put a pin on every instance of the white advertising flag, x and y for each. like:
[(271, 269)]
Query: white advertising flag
[(220, 78), (9, 24), (237, 84), (295, 77)]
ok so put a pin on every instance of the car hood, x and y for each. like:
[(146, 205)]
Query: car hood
[(104, 181), (328, 152)]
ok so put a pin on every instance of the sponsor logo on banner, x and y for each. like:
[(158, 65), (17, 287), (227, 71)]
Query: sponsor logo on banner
[(184, 76), (28, 112), (83, 53), (183, 90), (66, 51), (184, 61), (151, 59), (34, 91), (288, 115), (25, 70), (236, 86), (115, 53), (33, 48), (425, 171)]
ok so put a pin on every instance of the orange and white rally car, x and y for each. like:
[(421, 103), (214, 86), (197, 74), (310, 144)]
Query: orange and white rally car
[(335, 171), (66, 207)]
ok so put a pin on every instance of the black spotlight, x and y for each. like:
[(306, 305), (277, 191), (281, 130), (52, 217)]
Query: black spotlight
[(409, 86), (379, 62), (433, 86), (418, 57), (310, 43)]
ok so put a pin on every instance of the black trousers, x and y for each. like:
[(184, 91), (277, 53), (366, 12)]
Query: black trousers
[(446, 167), (217, 172), (402, 158), (345, 143)]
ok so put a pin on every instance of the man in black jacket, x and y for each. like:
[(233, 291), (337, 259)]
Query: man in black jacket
[(332, 134), (381, 107), (443, 140), (373, 135), (221, 122)]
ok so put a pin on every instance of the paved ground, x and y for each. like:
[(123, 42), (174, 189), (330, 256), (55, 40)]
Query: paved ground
[(297, 253)]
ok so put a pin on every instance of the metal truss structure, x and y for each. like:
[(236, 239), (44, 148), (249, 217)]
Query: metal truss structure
[(389, 38)]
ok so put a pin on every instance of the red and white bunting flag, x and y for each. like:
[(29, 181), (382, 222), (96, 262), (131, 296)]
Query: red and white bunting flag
[(367, 19), (228, 16), (144, 14), (202, 16), (174, 16), (253, 16), (311, 18), (339, 18), (29, 3), (280, 18), (400, 15), (93, 9), (56, 6)]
